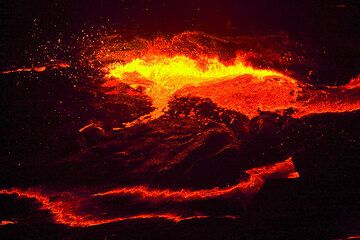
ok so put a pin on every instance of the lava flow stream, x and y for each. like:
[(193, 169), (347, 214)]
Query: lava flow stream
[(163, 76), (257, 177), (234, 85), (66, 207), (64, 211)]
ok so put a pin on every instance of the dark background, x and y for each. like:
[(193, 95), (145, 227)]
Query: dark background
[(330, 27)]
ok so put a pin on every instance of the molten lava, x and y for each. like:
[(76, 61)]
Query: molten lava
[(257, 177), (163, 70), (232, 84), (163, 76), (38, 69), (66, 207), (64, 211)]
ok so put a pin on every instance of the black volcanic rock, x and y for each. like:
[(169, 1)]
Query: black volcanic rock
[(185, 152), (41, 113), (334, 154), (292, 209)]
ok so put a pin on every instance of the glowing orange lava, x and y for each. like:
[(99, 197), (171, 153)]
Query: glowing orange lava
[(257, 177), (235, 85), (163, 72), (65, 207), (6, 222), (163, 76), (353, 237), (38, 69), (247, 94), (64, 211)]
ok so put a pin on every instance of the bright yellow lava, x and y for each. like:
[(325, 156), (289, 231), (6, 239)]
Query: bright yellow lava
[(174, 73), (163, 76)]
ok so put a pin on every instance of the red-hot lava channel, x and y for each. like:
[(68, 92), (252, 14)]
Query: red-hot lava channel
[(165, 70), (65, 206), (162, 72), (257, 177)]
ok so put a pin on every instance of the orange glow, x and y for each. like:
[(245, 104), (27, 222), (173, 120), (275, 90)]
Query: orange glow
[(354, 83), (60, 210), (172, 73), (64, 212), (38, 69), (247, 94), (235, 85), (6, 222), (65, 206), (163, 72), (163, 76), (257, 177), (353, 237)]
